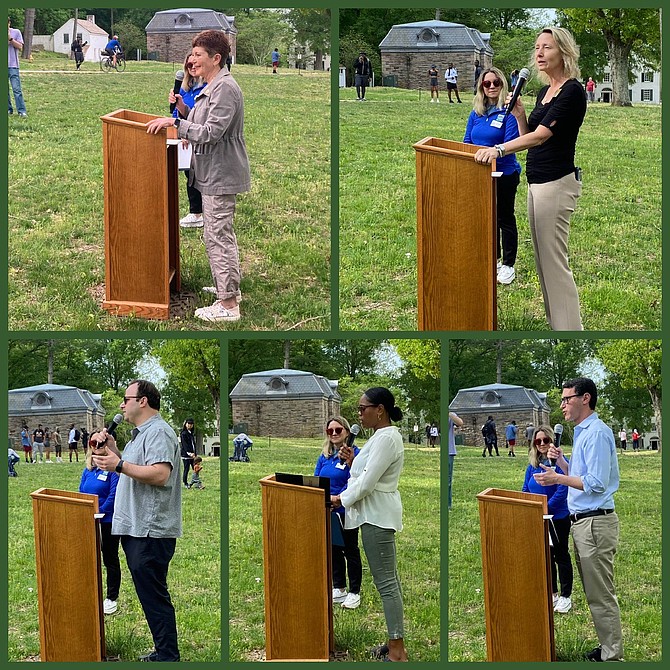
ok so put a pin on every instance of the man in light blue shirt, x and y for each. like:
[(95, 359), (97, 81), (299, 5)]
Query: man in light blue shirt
[(592, 479)]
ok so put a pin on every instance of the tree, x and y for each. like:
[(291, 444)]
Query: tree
[(420, 377), (115, 361), (637, 365), (29, 23), (259, 32), (353, 358), (131, 37), (631, 34), (312, 28)]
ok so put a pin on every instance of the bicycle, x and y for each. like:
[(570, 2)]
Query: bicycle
[(106, 63)]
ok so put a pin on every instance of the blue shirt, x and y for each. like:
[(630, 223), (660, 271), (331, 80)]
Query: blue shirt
[(102, 484), (112, 45), (594, 461), (511, 431), (275, 59), (557, 494), (189, 96), (480, 131), (337, 471)]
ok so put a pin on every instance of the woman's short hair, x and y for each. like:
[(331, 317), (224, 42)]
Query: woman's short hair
[(480, 96), (328, 447), (569, 52), (213, 42), (533, 453), (378, 395)]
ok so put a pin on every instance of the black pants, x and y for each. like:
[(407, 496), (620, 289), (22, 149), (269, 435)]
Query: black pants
[(507, 235), (348, 559), (560, 558), (188, 464), (361, 83), (110, 558), (194, 197), (490, 446), (148, 561)]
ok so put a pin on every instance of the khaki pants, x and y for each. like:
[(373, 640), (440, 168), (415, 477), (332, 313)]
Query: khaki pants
[(595, 539), (550, 206), (221, 244)]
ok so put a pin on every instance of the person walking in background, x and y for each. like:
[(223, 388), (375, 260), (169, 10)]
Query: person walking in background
[(77, 49), (478, 73), (84, 440), (622, 438), (636, 439), (73, 441), (454, 420), (26, 444), (38, 444), (511, 432), (187, 447), (15, 46), (433, 75), (434, 434), (490, 437), (58, 444), (47, 445), (372, 503), (362, 74), (530, 432), (591, 90), (451, 77), (191, 88), (335, 462), (275, 60)]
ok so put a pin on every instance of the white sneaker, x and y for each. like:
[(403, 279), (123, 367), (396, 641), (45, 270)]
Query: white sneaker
[(209, 289), (191, 221), (498, 266), (339, 595), (563, 605), (506, 274), (352, 601), (432, 99), (217, 312), (109, 606), (554, 598), (438, 101)]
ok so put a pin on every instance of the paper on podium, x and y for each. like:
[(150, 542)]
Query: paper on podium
[(183, 154)]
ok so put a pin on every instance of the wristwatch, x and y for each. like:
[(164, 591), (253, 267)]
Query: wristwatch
[(177, 121), (500, 148), (119, 466)]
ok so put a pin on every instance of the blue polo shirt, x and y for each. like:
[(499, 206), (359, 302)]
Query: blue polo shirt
[(594, 461), (337, 471), (480, 130)]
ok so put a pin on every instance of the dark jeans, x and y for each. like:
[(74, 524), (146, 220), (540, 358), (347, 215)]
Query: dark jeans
[(188, 464), (148, 561), (507, 235), (348, 559), (194, 197), (560, 558), (110, 558), (361, 83), (490, 446)]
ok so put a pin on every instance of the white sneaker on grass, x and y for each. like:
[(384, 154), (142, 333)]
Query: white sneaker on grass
[(554, 598), (563, 605), (339, 595), (217, 312), (191, 221), (506, 274), (109, 606), (352, 601)]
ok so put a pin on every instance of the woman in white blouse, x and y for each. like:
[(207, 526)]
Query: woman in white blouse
[(372, 502)]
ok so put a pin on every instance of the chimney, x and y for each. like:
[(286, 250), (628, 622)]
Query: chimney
[(91, 18)]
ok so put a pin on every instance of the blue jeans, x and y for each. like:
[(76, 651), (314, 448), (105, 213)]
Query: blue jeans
[(15, 83)]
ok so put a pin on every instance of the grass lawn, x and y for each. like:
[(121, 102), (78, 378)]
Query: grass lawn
[(615, 242), (56, 244), (194, 578), (358, 630), (637, 565)]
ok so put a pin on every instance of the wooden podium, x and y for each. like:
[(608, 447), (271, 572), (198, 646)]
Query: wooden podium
[(297, 570), (69, 576), (456, 237), (141, 216), (517, 576)]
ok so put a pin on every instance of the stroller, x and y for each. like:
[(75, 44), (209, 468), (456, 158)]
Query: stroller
[(242, 443)]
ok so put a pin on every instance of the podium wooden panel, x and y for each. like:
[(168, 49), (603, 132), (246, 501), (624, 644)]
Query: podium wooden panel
[(456, 237), (297, 569), (141, 216), (517, 576), (69, 576)]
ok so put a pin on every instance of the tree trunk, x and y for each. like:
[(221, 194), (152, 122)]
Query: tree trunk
[(618, 56), (318, 61), (74, 29), (28, 30), (656, 404), (287, 354), (499, 357), (438, 14), (50, 363)]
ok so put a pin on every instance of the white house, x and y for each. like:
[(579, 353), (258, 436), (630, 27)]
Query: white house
[(87, 31), (645, 88)]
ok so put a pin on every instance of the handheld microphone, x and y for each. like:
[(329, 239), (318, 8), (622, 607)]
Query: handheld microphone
[(558, 432), (178, 79), (521, 82), (353, 433)]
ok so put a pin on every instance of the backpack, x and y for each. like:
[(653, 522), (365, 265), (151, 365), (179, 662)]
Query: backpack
[(77, 435)]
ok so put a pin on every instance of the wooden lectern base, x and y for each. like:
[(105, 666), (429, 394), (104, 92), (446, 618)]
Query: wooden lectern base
[(182, 304)]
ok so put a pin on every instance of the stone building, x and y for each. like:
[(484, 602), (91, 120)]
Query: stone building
[(410, 49), (170, 32), (284, 403), (505, 403), (53, 405)]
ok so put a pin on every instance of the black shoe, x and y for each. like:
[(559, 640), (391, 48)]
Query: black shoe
[(595, 655), (153, 656), (380, 652)]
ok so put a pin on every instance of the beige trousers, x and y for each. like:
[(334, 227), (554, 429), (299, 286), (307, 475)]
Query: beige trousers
[(550, 206), (595, 539)]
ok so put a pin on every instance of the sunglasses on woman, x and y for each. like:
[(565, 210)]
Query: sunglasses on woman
[(334, 431), (488, 84), (542, 440)]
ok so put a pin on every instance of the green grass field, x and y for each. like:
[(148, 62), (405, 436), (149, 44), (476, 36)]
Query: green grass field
[(637, 565), (615, 241), (194, 579), (358, 630), (56, 244)]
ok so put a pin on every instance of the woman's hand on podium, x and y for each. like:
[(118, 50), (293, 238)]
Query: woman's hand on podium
[(156, 125), (486, 155), (335, 501)]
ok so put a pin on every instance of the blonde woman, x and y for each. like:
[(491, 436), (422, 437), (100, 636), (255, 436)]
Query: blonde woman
[(335, 463), (488, 126), (554, 183)]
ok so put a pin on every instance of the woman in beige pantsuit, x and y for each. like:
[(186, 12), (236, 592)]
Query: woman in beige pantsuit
[(554, 183)]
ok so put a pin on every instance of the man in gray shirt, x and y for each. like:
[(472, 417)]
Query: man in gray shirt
[(147, 509)]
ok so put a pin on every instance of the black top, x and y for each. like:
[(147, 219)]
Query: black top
[(187, 441), (364, 68), (563, 115)]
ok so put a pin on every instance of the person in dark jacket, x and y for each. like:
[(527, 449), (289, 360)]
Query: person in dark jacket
[(363, 74), (77, 49), (187, 443)]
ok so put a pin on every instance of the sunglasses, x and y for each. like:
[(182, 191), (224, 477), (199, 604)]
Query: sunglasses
[(542, 440), (334, 431), (190, 66), (488, 84)]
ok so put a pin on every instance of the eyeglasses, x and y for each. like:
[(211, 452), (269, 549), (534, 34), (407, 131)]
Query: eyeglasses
[(190, 66), (542, 440), (362, 408), (487, 84), (126, 398), (334, 431), (566, 399)]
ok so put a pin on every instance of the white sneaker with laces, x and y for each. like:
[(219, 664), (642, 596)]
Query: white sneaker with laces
[(563, 605), (506, 274), (352, 601), (217, 312), (109, 606), (191, 221), (339, 595)]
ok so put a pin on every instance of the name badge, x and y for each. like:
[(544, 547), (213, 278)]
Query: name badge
[(102, 476), (498, 121), (341, 466)]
